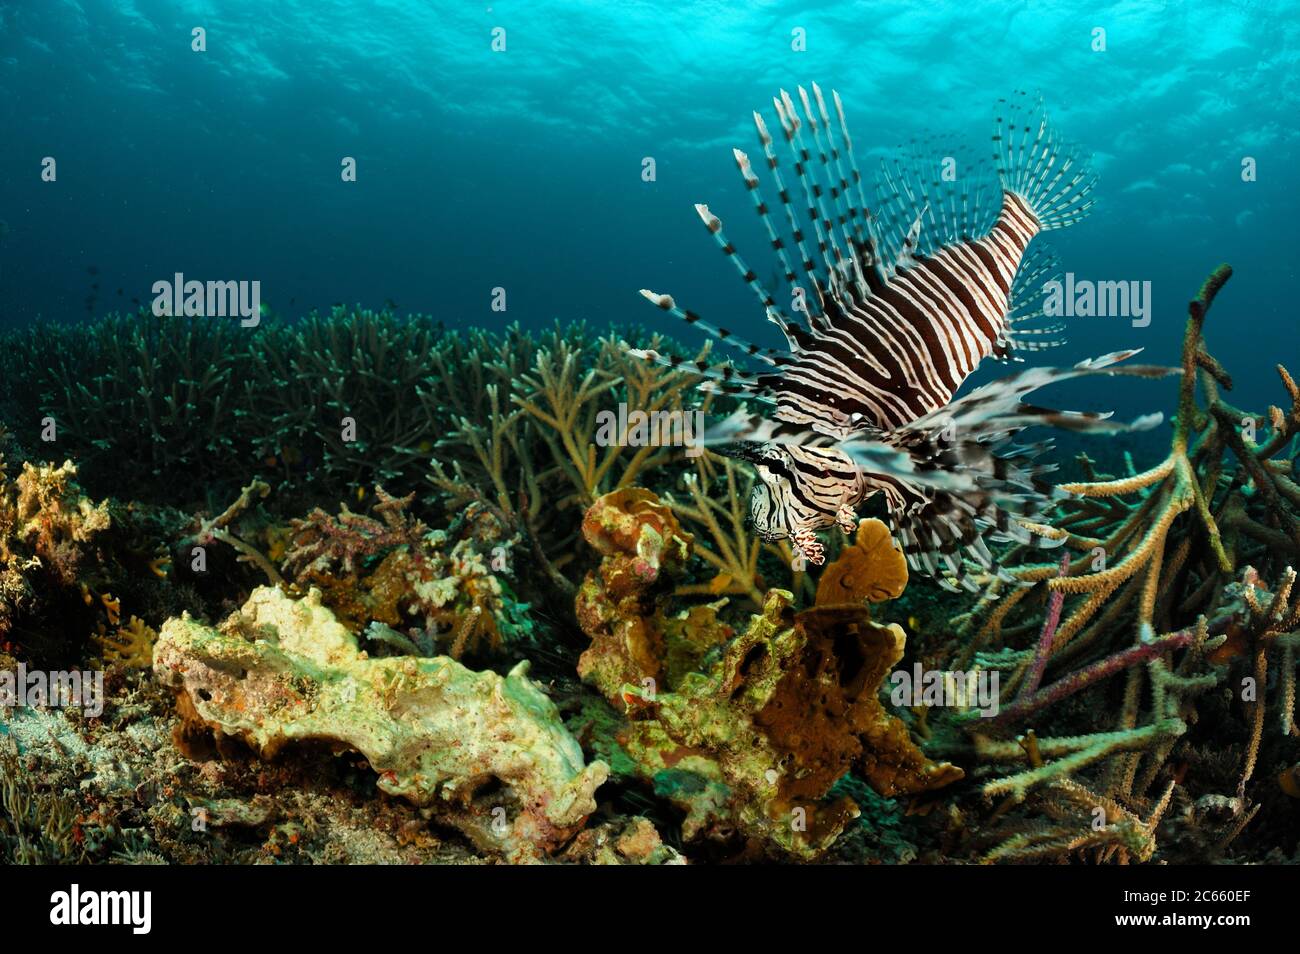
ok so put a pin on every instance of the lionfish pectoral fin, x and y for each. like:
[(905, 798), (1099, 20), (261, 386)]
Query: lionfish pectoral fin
[(965, 478)]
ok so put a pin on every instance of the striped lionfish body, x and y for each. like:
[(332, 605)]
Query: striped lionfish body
[(898, 306)]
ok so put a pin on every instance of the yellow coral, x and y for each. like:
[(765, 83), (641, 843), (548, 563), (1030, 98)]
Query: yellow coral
[(112, 607), (130, 646)]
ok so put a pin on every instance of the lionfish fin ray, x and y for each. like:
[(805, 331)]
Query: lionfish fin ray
[(1025, 303), (947, 190), (722, 378), (1053, 177), (667, 303)]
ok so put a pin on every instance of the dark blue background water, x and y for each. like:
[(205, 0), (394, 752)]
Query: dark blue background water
[(522, 169)]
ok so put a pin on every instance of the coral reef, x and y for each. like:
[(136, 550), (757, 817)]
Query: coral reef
[(750, 743), (488, 753), (49, 562), (396, 572), (1144, 598), (1145, 693), (355, 398)]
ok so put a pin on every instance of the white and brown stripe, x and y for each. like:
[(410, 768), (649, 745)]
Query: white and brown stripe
[(900, 308)]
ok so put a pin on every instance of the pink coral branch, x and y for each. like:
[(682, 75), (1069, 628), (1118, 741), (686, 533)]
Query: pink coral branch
[(1102, 669), (1045, 638)]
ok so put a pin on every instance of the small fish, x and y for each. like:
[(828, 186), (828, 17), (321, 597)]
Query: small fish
[(899, 305)]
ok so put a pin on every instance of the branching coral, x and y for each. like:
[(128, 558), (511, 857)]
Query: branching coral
[(716, 507), (337, 398), (513, 421), (345, 399), (36, 826), (130, 645), (139, 398), (1146, 597), (536, 438), (1267, 631)]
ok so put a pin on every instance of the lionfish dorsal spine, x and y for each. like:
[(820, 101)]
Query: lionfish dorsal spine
[(890, 313)]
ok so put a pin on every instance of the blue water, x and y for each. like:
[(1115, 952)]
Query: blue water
[(522, 169)]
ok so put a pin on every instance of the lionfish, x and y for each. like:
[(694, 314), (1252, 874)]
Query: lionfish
[(899, 306)]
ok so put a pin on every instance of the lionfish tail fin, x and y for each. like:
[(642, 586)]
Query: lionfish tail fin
[(1053, 177)]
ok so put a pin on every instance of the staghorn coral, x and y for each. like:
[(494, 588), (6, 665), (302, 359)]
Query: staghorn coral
[(532, 436), (368, 367), (140, 399), (747, 732), (718, 511), (487, 753), (1267, 630), (1145, 592), (1079, 819)]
